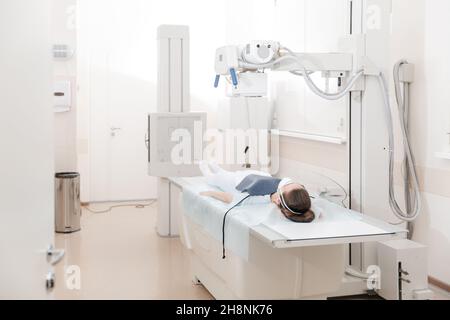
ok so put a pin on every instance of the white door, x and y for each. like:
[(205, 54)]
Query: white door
[(114, 83), (26, 149)]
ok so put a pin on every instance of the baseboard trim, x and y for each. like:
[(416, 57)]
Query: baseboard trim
[(440, 284), (87, 204)]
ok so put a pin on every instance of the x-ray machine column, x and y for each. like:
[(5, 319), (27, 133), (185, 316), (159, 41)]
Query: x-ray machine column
[(173, 97), (369, 141)]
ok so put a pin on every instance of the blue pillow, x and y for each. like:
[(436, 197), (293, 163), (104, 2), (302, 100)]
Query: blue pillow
[(256, 185)]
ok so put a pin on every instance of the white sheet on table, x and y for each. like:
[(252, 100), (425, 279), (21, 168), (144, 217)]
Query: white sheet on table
[(209, 213), (333, 222)]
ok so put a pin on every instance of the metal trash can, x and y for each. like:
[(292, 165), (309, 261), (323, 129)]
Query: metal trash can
[(67, 202)]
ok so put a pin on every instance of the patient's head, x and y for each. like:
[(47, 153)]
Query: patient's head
[(297, 199)]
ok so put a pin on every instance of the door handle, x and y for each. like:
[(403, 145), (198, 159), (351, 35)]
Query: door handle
[(55, 256), (147, 141)]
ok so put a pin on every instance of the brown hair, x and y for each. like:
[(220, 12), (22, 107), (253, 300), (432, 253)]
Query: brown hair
[(299, 201)]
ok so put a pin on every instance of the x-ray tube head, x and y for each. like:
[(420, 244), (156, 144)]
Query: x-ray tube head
[(236, 57), (231, 60), (260, 52), (227, 58), (227, 64)]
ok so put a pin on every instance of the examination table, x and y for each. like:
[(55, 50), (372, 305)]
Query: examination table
[(271, 258)]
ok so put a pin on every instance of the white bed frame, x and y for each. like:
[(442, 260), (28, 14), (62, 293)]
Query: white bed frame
[(298, 273)]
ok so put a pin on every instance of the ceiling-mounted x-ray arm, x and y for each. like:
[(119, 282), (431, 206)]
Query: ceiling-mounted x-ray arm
[(258, 56)]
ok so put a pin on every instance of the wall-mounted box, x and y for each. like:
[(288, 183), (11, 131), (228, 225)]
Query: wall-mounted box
[(62, 52), (404, 273)]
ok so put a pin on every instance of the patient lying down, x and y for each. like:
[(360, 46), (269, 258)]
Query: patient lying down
[(291, 198)]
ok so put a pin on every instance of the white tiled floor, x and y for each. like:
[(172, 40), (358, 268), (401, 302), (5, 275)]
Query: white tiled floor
[(121, 257)]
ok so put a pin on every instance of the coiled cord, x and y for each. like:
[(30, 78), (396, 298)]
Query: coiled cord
[(411, 181)]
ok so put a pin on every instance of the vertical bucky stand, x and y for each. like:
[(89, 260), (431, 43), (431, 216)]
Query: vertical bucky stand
[(173, 117), (173, 97)]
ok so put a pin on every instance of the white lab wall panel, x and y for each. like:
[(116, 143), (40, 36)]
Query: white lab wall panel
[(63, 29), (118, 39), (417, 35), (288, 91), (289, 95), (437, 81), (433, 230), (408, 42), (99, 146), (132, 28), (306, 25), (326, 22), (290, 24), (249, 20)]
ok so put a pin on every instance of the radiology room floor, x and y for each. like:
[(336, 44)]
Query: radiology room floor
[(120, 256)]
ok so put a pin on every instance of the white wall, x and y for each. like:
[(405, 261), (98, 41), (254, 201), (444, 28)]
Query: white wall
[(64, 32), (420, 33), (303, 26), (126, 53)]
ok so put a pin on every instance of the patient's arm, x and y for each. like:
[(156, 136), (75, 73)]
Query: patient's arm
[(221, 196)]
